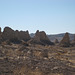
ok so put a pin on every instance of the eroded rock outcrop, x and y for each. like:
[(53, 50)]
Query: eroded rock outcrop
[(8, 33), (41, 38), (65, 42), (73, 41), (22, 35), (74, 37), (0, 30), (15, 36), (0, 35)]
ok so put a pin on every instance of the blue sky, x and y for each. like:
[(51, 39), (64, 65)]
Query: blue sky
[(51, 16)]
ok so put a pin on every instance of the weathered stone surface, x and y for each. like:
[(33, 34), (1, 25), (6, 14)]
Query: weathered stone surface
[(0, 35), (74, 37), (73, 41), (65, 42), (35, 41), (15, 36), (41, 38), (22, 35), (8, 33), (0, 30)]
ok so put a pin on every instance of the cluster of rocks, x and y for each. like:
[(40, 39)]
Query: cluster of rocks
[(18, 36), (40, 38), (9, 34)]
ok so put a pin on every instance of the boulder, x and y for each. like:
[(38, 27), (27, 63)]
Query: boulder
[(65, 42)]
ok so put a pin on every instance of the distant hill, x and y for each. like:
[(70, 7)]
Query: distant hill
[(56, 36), (32, 34)]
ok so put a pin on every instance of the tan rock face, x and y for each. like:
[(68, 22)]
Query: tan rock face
[(65, 41), (41, 38), (9, 34)]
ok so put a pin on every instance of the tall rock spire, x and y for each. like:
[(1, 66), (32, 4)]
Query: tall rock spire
[(65, 42)]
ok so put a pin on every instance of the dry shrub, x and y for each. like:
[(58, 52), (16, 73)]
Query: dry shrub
[(24, 70), (36, 72)]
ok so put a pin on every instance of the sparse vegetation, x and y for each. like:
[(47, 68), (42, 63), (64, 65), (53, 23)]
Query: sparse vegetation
[(36, 60), (25, 58)]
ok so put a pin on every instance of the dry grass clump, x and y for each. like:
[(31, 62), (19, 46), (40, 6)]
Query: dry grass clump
[(41, 54), (24, 70)]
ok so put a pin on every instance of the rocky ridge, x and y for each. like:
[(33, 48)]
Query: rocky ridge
[(11, 35)]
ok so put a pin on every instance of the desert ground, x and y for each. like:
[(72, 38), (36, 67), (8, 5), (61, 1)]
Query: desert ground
[(18, 59)]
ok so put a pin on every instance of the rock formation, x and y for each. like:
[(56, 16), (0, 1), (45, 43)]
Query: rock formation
[(74, 37), (0, 35), (0, 30), (22, 35), (15, 36), (8, 33), (56, 41), (65, 42), (73, 42), (41, 38)]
